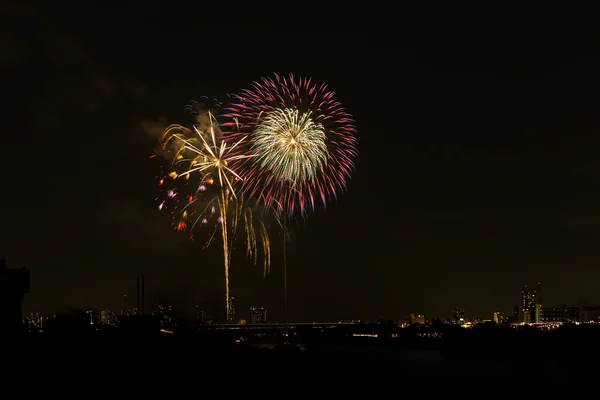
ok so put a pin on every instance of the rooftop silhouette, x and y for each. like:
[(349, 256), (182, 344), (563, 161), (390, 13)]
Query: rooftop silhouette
[(14, 284)]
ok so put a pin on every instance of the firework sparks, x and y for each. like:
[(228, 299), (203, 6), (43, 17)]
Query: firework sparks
[(291, 145), (211, 198), (303, 142), (208, 158)]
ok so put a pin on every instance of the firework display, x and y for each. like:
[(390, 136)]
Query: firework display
[(301, 141), (278, 148), (200, 190)]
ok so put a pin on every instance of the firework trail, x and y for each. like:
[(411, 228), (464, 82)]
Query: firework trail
[(210, 199), (302, 142)]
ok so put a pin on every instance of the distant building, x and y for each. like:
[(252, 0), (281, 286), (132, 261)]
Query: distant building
[(566, 313), (589, 314), (260, 315), (35, 322), (125, 311), (231, 314), (109, 318), (94, 316), (164, 315), (539, 304), (497, 318), (458, 316), (199, 315), (516, 317), (538, 315), (561, 314), (417, 319), (528, 306)]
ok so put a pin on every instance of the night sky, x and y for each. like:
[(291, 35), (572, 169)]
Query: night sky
[(478, 170)]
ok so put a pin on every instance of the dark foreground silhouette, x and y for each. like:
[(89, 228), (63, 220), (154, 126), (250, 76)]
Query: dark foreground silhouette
[(471, 358)]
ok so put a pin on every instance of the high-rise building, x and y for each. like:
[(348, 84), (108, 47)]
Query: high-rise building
[(199, 315), (231, 315), (497, 317), (528, 305), (538, 315), (260, 315), (125, 311), (458, 316), (539, 303)]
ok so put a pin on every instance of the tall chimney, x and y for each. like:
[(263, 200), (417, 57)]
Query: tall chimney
[(137, 294), (143, 286), (125, 310)]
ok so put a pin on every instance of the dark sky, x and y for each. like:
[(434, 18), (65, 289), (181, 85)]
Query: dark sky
[(478, 169)]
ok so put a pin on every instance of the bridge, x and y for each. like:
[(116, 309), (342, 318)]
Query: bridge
[(276, 326)]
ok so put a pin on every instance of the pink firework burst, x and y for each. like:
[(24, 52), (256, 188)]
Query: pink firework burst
[(301, 141)]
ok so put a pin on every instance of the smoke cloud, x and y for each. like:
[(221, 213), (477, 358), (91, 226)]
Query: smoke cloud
[(205, 114)]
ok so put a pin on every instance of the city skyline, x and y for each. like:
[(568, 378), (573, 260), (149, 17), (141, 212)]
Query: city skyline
[(477, 173), (528, 310)]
